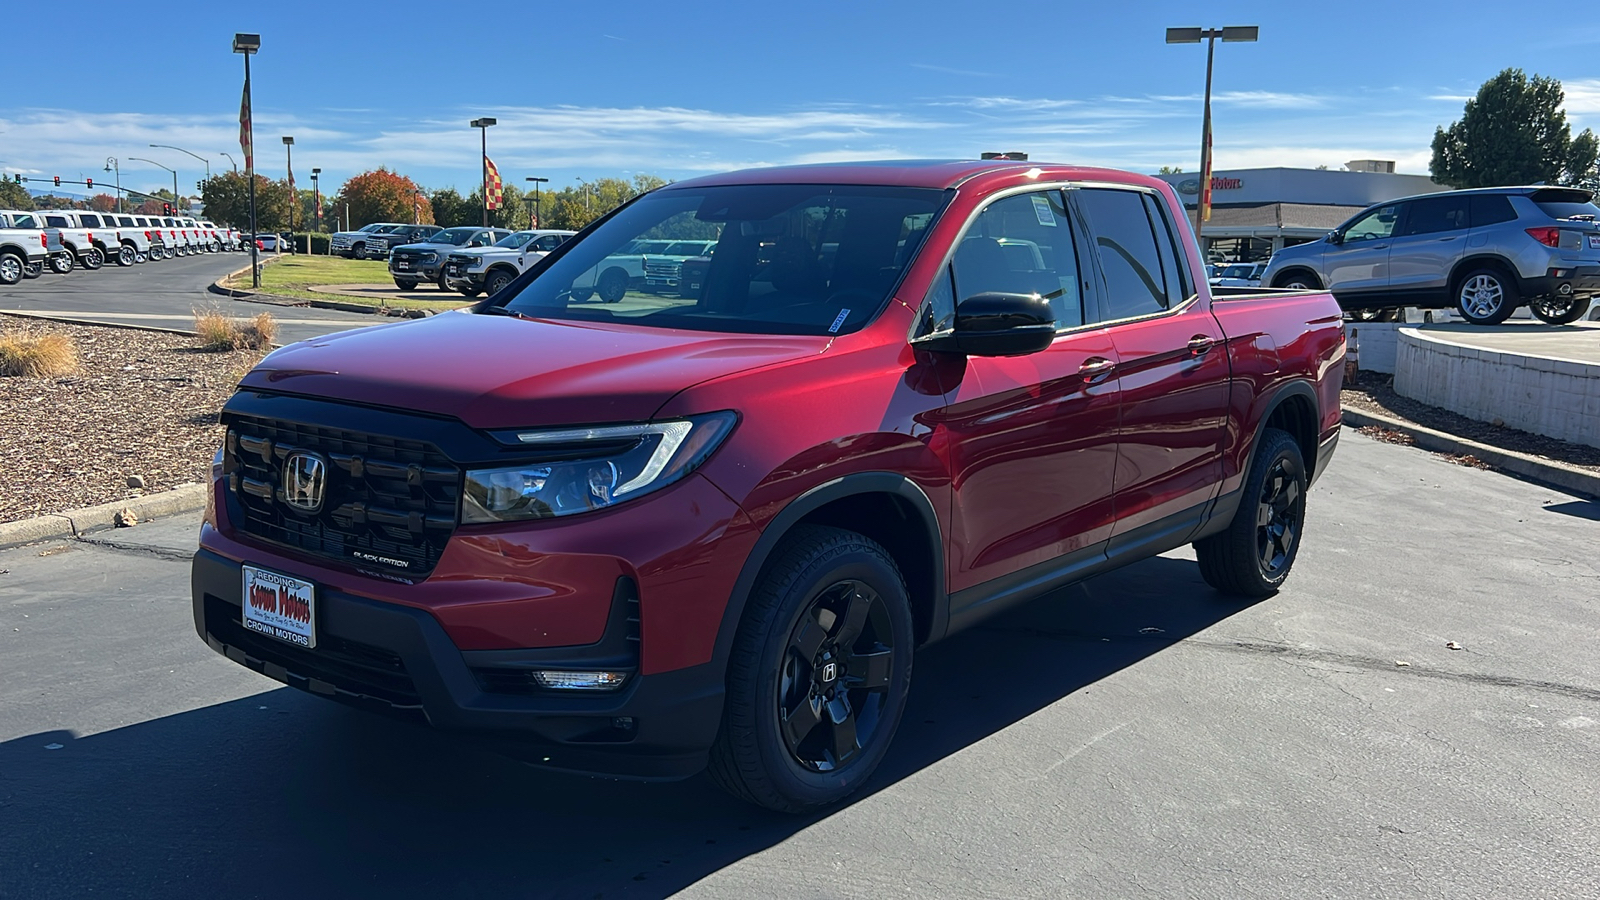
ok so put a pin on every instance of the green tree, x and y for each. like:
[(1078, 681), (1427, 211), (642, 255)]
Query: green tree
[(227, 200), (1170, 170), (1513, 132), (15, 196), (384, 196)]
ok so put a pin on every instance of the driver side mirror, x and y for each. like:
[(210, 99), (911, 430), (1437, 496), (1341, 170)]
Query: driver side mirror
[(998, 324), (1335, 238)]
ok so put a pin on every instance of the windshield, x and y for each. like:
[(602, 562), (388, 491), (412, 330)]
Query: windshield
[(453, 236), (788, 259), (1582, 211), (516, 240), (1243, 271), (368, 229)]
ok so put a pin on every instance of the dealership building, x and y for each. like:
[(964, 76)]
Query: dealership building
[(1255, 212)]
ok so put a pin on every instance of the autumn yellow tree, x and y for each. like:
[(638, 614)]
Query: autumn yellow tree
[(383, 196)]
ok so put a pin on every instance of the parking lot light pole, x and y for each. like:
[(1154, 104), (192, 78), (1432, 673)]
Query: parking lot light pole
[(534, 222), (1229, 34), (248, 44), (316, 205), (202, 159), (483, 190), (288, 149), (113, 166)]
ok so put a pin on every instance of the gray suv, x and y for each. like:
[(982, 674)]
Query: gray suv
[(411, 264), (1483, 252)]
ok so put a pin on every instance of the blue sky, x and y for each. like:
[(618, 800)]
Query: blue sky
[(590, 90)]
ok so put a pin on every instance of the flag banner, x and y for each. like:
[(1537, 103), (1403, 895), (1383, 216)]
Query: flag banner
[(245, 128), (493, 190), (291, 181)]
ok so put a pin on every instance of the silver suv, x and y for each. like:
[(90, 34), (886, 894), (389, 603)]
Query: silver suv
[(1483, 252)]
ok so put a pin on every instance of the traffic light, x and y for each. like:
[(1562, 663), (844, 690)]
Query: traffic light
[(166, 209), (88, 182), (58, 181)]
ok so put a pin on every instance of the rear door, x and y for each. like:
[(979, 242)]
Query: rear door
[(1359, 263), (1427, 245), (1031, 441), (1172, 364)]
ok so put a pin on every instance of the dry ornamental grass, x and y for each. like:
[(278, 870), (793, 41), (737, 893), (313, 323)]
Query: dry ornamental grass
[(48, 356), (219, 333), (140, 403)]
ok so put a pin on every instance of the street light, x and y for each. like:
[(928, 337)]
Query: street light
[(195, 155), (483, 129), (248, 44), (1229, 34), (230, 159), (534, 222), (316, 205), (288, 149), (175, 204), (113, 166)]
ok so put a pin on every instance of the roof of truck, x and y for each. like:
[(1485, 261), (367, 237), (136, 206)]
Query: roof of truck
[(924, 173)]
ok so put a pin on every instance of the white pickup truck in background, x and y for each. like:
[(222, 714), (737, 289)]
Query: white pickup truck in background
[(23, 251)]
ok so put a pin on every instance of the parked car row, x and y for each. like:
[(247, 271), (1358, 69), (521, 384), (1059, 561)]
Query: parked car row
[(60, 239), (376, 240)]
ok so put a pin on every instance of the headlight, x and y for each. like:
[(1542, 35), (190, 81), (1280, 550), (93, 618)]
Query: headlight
[(428, 258), (591, 468)]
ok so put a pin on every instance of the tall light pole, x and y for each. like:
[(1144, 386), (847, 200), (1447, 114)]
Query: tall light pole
[(175, 206), (288, 149), (483, 129), (316, 205), (534, 222), (113, 166), (230, 159), (1229, 34), (195, 155), (248, 44)]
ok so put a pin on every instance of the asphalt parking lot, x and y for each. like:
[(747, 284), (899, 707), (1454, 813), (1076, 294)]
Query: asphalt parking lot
[(1132, 736), (163, 294)]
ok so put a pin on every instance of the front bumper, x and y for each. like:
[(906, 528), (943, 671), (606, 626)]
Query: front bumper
[(398, 660), (419, 271), (464, 281)]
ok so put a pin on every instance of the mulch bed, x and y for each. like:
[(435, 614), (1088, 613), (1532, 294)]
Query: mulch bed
[(1374, 392), (142, 403)]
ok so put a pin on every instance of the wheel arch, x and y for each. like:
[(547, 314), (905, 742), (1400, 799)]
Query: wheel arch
[(1478, 260), (1292, 268), (887, 507), (505, 267), (1293, 409)]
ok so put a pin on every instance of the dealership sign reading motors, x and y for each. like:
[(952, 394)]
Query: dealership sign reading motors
[(1192, 185)]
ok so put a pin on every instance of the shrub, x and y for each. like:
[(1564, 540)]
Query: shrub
[(318, 240), (219, 333), (50, 356)]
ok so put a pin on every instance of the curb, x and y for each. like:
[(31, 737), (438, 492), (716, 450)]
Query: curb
[(275, 300), (1547, 472), (184, 498)]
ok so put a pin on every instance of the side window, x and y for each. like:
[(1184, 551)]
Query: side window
[(88, 221), (1023, 245), (547, 243), (57, 222), (1375, 225), (1125, 241), (1490, 209), (1434, 215)]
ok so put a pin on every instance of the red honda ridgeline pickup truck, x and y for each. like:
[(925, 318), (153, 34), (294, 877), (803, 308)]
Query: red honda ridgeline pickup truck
[(642, 537)]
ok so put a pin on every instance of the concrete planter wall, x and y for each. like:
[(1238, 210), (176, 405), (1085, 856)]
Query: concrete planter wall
[(1376, 342), (1553, 397)]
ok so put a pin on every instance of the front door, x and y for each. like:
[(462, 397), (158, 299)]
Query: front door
[(1172, 364), (1359, 263), (1030, 441)]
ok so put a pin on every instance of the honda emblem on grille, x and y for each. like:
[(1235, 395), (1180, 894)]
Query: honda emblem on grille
[(305, 478)]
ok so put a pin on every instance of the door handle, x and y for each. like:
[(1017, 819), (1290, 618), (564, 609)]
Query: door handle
[(1096, 369), (1200, 345)]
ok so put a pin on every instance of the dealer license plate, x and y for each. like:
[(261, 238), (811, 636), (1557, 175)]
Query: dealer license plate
[(452, 270), (1594, 242), (280, 606), (402, 266)]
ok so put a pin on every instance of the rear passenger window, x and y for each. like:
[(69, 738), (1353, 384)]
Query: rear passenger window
[(1491, 209), (1125, 241), (56, 221), (1433, 215), (88, 221), (1023, 245)]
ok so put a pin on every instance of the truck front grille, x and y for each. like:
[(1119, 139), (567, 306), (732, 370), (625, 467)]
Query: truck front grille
[(387, 504)]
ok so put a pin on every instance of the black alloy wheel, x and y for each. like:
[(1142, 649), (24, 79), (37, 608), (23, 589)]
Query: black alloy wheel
[(834, 680), (1253, 555), (406, 284), (1559, 310), (125, 255), (94, 259), (818, 675)]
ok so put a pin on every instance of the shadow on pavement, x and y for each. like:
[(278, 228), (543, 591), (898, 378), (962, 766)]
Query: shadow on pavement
[(283, 794), (1579, 509)]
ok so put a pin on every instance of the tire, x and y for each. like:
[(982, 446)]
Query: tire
[(497, 281), (141, 257), (1386, 314), (1251, 558), (125, 255), (1485, 296), (12, 268), (1297, 280), (94, 259), (469, 293), (843, 684), (358, 251), (33, 270), (405, 284), (613, 284), (439, 281), (1558, 310), (61, 263)]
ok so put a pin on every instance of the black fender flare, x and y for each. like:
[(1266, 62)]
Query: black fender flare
[(1223, 507), (811, 500)]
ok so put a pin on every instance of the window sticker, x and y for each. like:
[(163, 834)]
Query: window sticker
[(1041, 209), (838, 320)]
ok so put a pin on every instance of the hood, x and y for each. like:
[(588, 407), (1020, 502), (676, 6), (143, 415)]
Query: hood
[(504, 372), (435, 247)]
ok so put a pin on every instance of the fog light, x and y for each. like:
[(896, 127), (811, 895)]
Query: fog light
[(579, 681)]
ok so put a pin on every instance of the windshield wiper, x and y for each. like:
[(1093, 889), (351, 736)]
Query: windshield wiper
[(503, 311)]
